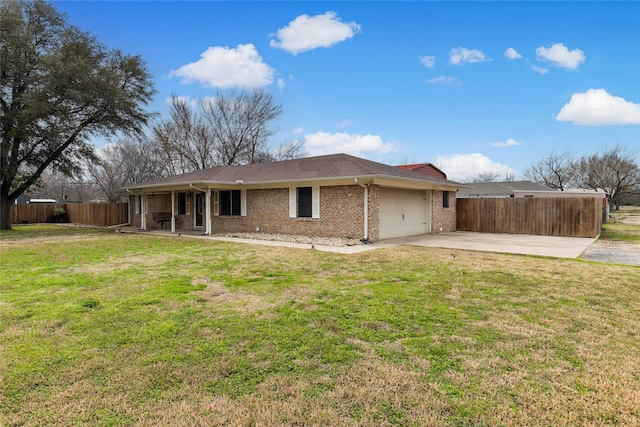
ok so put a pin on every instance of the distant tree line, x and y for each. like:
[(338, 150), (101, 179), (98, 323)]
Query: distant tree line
[(614, 170)]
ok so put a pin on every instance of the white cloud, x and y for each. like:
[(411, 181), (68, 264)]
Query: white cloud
[(281, 83), (462, 167), (596, 107), (540, 70), (344, 123), (428, 61), (508, 143), (511, 53), (298, 131), (226, 67), (310, 32), (462, 55), (444, 80), (181, 100), (322, 143), (560, 56)]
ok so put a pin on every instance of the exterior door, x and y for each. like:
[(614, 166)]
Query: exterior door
[(200, 200)]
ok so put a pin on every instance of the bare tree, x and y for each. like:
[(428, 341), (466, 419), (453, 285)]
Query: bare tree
[(127, 161), (555, 170), (50, 185), (614, 170), (107, 173), (294, 150), (484, 177), (510, 176), (185, 139), (228, 129), (240, 125)]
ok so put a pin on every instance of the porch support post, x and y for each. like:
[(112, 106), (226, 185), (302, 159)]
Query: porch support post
[(208, 212), (143, 212), (173, 211)]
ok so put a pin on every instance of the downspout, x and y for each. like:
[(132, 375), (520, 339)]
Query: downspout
[(365, 238)]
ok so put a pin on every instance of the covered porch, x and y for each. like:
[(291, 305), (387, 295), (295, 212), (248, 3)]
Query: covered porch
[(179, 210)]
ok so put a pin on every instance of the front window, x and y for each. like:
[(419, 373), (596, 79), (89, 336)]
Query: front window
[(445, 199), (230, 203), (138, 204), (305, 202), (182, 203)]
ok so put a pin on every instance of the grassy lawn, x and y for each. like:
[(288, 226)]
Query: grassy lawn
[(100, 328), (624, 226)]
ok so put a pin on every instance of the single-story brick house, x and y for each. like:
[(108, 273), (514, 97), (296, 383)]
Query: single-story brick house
[(329, 196)]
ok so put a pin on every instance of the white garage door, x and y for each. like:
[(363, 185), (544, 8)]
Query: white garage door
[(404, 212)]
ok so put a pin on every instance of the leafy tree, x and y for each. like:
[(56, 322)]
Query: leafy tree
[(557, 170), (60, 86), (228, 129), (614, 170)]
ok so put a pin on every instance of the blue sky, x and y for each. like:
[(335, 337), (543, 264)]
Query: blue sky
[(472, 87)]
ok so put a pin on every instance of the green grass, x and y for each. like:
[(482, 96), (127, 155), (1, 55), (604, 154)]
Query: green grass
[(620, 229), (101, 328)]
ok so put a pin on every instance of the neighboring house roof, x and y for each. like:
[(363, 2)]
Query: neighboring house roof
[(308, 169), (424, 168), (23, 198), (502, 189), (586, 190)]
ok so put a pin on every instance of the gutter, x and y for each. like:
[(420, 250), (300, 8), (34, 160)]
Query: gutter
[(451, 185)]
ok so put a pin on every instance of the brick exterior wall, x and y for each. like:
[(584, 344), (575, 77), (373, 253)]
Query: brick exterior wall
[(444, 218), (341, 213)]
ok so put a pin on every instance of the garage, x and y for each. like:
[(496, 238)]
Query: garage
[(404, 212)]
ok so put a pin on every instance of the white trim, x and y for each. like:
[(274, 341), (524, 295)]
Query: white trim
[(207, 210), (136, 203), (174, 210), (293, 202), (143, 213), (216, 203), (315, 202), (243, 202)]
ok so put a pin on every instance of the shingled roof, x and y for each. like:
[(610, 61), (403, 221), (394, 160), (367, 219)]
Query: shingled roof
[(334, 166)]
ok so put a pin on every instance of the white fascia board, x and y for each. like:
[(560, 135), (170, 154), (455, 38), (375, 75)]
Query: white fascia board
[(332, 180)]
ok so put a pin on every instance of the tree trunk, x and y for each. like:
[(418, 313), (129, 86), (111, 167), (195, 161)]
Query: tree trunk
[(5, 215)]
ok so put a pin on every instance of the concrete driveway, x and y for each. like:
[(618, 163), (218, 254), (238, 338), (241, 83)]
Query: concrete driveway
[(553, 246), (561, 247)]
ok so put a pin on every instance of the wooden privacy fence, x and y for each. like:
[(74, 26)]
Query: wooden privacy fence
[(547, 216), (97, 214)]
